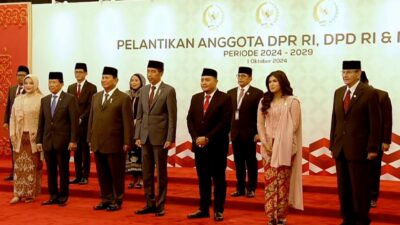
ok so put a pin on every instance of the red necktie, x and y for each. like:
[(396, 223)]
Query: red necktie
[(206, 103), (78, 93), (346, 101), (151, 98)]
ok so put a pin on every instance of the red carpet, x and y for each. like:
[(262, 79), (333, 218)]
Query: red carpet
[(320, 198)]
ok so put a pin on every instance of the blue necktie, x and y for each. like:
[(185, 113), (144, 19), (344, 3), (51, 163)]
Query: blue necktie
[(53, 105)]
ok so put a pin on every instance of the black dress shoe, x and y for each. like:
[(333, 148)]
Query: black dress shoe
[(101, 206), (281, 222), (9, 178), (198, 214), (237, 193), (250, 194), (50, 202), (113, 207), (146, 210), (62, 203), (75, 181), (160, 212), (83, 181), (272, 222), (218, 216)]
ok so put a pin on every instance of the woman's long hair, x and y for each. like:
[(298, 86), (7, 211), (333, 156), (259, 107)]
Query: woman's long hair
[(269, 96)]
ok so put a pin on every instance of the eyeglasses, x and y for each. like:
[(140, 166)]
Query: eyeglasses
[(242, 76), (348, 71)]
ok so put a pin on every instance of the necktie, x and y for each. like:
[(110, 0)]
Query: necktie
[(151, 98), (105, 99), (19, 91), (346, 101), (206, 103), (78, 93), (53, 105), (241, 94)]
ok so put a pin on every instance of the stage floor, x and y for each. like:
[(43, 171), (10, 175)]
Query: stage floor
[(320, 200)]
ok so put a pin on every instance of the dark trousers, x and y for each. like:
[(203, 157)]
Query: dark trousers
[(354, 192), (376, 176), (155, 155), (57, 161), (244, 153), (82, 160), (210, 167), (111, 175)]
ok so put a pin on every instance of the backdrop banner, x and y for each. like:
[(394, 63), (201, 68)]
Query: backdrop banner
[(15, 48), (308, 40)]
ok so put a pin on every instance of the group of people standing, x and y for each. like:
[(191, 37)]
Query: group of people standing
[(131, 132)]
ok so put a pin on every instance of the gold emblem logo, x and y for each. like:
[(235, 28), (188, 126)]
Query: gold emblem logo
[(213, 16), (267, 14), (325, 12)]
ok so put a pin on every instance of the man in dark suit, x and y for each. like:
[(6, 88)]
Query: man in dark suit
[(83, 90), (155, 133), (13, 92), (245, 99), (209, 122), (354, 141), (57, 135), (110, 133), (385, 139)]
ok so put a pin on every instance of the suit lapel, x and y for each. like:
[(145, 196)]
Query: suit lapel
[(98, 101), (74, 86), (145, 96), (212, 104), (246, 95), (357, 94), (235, 102), (340, 98), (110, 99), (59, 102), (47, 105), (83, 89), (157, 95)]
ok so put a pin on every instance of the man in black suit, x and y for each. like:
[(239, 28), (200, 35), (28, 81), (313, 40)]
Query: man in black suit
[(209, 122), (13, 92), (385, 139), (56, 136), (245, 99), (83, 90), (354, 141), (110, 135)]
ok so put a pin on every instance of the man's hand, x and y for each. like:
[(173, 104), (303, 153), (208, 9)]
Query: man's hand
[(72, 146), (5, 125), (39, 147), (126, 148), (385, 147), (372, 155), (167, 144), (256, 138), (201, 141), (138, 143)]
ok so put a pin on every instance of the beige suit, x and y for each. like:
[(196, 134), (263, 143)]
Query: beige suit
[(110, 128)]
